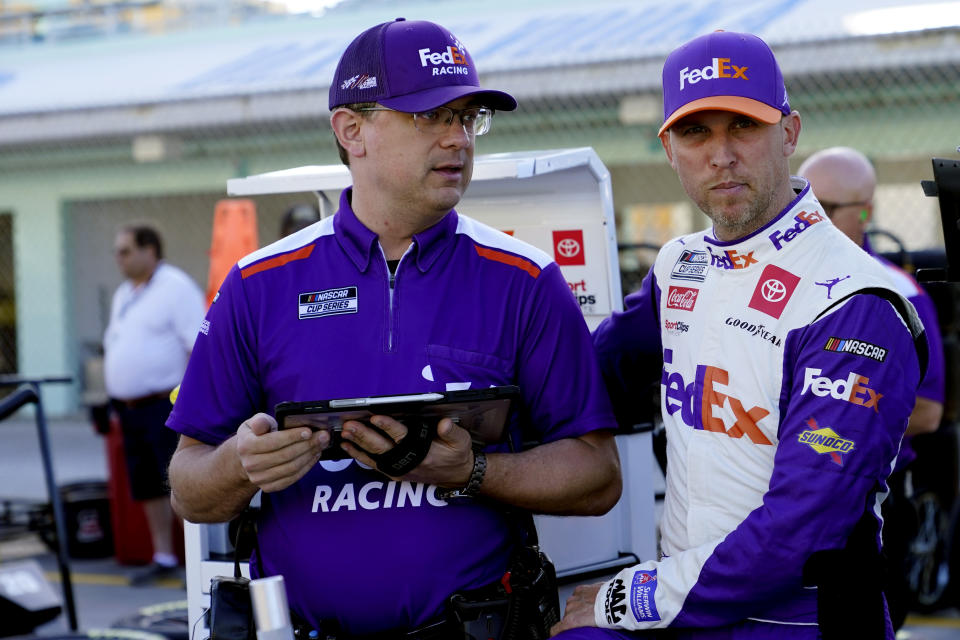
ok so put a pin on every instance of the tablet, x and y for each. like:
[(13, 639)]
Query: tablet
[(482, 412)]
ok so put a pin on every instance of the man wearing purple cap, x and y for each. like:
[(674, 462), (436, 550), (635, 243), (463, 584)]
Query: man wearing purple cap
[(784, 401), (426, 300)]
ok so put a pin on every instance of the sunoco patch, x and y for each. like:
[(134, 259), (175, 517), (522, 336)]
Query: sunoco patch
[(331, 302), (826, 441), (642, 596)]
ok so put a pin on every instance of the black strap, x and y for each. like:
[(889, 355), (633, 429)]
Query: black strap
[(849, 581), (410, 451), (442, 629), (247, 525), (910, 319)]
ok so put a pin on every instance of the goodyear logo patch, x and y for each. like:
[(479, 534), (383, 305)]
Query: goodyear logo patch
[(642, 595), (826, 441), (331, 302)]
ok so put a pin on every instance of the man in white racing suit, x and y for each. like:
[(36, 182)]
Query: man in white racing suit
[(789, 369)]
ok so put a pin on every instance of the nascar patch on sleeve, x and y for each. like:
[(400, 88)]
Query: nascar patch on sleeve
[(643, 593)]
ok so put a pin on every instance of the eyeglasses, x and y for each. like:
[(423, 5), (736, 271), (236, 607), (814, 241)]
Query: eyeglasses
[(476, 121), (831, 207)]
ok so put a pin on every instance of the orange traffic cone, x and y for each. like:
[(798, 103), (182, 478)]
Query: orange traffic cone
[(234, 236)]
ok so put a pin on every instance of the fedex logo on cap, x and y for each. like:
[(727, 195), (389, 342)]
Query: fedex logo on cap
[(719, 68), (452, 55)]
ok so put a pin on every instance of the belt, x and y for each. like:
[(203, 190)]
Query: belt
[(135, 403), (440, 630)]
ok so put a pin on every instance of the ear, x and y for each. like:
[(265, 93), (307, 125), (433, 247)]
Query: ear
[(348, 127), (791, 133), (665, 142), (866, 214)]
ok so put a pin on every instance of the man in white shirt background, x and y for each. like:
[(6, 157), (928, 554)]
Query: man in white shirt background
[(154, 318)]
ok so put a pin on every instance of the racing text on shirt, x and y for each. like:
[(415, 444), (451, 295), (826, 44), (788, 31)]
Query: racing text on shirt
[(374, 495)]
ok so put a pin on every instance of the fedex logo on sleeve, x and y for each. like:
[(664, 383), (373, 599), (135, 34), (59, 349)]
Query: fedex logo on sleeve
[(719, 68), (852, 389)]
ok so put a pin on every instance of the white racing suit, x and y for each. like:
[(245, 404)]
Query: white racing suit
[(784, 402)]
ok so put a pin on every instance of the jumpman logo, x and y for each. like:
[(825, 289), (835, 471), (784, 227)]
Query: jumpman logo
[(829, 284)]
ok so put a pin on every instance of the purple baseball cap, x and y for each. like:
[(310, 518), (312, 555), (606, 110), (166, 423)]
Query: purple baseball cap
[(410, 66), (726, 71)]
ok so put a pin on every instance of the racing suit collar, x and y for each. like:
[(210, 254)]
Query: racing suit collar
[(772, 238), (360, 243)]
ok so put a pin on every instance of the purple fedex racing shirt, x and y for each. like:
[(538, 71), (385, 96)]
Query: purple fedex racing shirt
[(317, 316)]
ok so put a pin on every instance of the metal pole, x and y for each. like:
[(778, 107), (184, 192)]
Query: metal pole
[(271, 613), (58, 514)]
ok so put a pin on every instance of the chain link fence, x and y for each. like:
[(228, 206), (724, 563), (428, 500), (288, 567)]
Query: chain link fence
[(899, 116)]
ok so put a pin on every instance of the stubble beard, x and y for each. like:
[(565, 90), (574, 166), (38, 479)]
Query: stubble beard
[(741, 222)]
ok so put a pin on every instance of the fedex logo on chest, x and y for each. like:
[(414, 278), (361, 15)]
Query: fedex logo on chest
[(703, 395)]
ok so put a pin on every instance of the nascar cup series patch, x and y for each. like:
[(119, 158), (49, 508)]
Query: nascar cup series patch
[(330, 302), (691, 265)]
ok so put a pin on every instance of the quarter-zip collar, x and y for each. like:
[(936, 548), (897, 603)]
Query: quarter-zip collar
[(764, 244), (360, 243)]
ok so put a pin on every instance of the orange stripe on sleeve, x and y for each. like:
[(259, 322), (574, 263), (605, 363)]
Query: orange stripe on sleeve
[(506, 258), (277, 261)]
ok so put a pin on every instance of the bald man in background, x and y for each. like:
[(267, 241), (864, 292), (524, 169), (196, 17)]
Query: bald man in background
[(844, 182)]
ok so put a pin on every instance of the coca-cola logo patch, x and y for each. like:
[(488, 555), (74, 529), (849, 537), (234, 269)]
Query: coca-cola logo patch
[(683, 298)]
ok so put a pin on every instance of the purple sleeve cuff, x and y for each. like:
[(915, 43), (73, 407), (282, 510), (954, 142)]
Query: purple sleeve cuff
[(628, 346)]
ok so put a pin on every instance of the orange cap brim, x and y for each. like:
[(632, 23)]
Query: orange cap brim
[(747, 106)]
